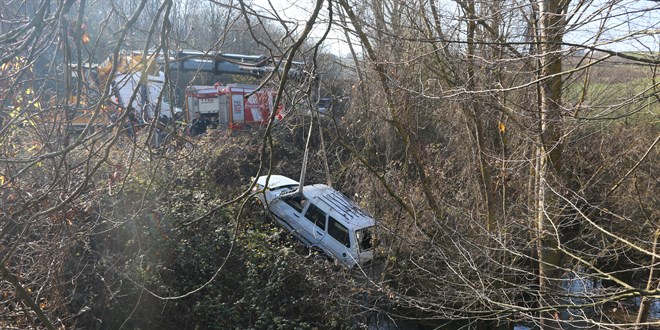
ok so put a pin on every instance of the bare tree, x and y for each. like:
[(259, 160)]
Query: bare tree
[(506, 147), (508, 69)]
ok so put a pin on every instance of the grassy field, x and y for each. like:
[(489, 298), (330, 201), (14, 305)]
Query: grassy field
[(614, 88)]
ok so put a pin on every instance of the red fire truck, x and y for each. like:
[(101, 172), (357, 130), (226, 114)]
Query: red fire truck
[(233, 105)]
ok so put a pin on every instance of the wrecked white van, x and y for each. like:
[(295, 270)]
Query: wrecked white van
[(321, 217)]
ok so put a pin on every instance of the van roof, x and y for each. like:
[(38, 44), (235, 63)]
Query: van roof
[(338, 206)]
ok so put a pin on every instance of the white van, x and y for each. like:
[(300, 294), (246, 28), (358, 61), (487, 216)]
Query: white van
[(321, 217)]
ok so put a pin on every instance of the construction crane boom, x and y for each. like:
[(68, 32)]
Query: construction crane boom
[(222, 63)]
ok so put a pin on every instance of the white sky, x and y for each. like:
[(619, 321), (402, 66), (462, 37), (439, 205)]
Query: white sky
[(623, 19), (626, 16), (300, 11)]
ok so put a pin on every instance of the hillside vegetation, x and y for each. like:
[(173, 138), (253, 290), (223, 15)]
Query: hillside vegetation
[(514, 182)]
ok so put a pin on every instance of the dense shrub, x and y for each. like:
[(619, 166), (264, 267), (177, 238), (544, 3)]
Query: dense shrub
[(168, 252)]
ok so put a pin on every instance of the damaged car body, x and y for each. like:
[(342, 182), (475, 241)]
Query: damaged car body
[(321, 217)]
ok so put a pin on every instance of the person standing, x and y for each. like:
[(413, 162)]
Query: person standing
[(198, 125)]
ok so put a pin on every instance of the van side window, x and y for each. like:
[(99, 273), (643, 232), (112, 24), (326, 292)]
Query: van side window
[(297, 202), (315, 215), (338, 232)]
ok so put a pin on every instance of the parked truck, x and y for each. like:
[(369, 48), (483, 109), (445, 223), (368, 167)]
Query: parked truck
[(139, 81), (131, 75), (146, 81), (233, 105)]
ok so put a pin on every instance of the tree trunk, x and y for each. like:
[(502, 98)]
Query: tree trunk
[(645, 305), (551, 29), (396, 120), (473, 113)]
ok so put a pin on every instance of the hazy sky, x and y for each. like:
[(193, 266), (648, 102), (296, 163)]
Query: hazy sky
[(621, 18), (300, 11)]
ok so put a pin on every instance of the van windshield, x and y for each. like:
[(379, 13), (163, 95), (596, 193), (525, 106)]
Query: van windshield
[(364, 238)]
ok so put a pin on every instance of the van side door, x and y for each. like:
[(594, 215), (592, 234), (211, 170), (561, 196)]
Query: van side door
[(339, 242), (288, 211), (313, 227)]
